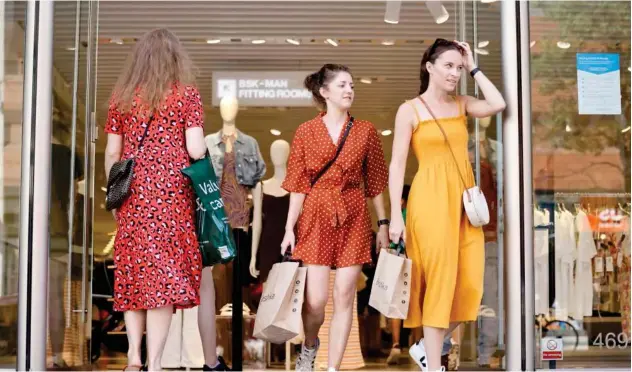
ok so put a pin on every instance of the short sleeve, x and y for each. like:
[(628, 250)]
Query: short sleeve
[(195, 108), (375, 169), (114, 123), (297, 179)]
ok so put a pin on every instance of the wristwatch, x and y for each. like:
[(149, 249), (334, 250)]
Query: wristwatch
[(383, 222), (474, 71)]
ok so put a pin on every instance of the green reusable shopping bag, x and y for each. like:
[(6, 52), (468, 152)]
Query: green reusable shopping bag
[(214, 234)]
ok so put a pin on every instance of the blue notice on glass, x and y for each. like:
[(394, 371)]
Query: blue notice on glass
[(598, 84)]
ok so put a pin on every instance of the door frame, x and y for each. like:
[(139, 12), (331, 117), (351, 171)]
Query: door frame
[(40, 80)]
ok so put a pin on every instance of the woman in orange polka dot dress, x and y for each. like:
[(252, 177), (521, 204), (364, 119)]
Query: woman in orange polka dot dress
[(334, 226)]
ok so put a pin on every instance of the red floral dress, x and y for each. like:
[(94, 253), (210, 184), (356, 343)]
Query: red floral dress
[(156, 253)]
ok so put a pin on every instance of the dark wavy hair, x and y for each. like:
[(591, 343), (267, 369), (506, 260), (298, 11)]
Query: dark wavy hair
[(439, 47), (313, 82)]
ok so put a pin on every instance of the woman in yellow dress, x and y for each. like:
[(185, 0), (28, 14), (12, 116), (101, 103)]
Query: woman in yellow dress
[(447, 251)]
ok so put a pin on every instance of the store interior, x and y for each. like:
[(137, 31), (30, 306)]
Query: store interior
[(279, 36)]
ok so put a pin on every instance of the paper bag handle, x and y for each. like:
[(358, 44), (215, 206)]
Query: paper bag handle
[(401, 247), (287, 257)]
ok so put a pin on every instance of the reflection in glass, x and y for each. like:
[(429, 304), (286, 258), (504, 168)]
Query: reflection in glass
[(581, 170), (11, 81)]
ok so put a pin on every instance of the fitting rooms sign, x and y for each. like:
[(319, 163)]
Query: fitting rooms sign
[(262, 88)]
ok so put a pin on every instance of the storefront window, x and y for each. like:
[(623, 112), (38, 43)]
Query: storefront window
[(11, 80), (580, 63)]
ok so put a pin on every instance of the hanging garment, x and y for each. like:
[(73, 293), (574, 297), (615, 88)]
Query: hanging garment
[(624, 292), (274, 214), (564, 257), (250, 164), (586, 250), (235, 196), (541, 262)]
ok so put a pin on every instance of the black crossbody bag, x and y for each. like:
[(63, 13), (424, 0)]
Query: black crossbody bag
[(338, 150), (121, 175)]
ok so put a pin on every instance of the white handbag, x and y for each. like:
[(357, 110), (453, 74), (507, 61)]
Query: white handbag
[(474, 201)]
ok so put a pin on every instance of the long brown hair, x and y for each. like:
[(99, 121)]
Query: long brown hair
[(157, 61)]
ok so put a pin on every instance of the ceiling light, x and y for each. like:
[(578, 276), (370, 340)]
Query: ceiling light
[(531, 44), (116, 41), (72, 49), (388, 42), (387, 132), (568, 128), (366, 81), (275, 132), (563, 44), (483, 44), (213, 41), (438, 11), (482, 52), (104, 189), (391, 15), (488, 1), (293, 41), (626, 129), (258, 41), (332, 42)]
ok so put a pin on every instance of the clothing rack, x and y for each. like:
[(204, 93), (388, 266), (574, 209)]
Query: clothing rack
[(592, 194)]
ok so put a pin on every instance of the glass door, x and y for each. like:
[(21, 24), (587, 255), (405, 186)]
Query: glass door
[(12, 19), (580, 93), (72, 174), (482, 345)]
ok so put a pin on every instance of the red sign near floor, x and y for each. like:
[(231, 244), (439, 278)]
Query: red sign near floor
[(552, 349)]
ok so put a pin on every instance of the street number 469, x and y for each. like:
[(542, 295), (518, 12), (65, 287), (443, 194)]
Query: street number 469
[(612, 340)]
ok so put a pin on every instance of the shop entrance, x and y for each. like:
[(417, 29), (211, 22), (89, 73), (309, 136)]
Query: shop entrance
[(280, 42), (74, 134), (250, 40)]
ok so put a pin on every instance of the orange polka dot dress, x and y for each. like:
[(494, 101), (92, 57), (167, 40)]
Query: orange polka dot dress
[(334, 228)]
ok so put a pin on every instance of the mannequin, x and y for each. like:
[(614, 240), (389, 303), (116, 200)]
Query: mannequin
[(238, 165), (228, 108), (279, 153)]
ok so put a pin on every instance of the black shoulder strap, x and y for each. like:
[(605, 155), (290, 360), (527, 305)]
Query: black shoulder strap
[(142, 139), (338, 150)]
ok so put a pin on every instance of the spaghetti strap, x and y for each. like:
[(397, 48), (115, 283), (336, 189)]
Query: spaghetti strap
[(458, 103), (414, 109)]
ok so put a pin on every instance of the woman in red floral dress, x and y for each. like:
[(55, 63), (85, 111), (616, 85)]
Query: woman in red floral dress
[(157, 258)]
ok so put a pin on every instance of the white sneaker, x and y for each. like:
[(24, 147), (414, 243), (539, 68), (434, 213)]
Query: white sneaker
[(305, 360), (418, 353)]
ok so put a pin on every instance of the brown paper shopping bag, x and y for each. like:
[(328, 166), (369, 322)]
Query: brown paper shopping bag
[(390, 293), (278, 317)]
